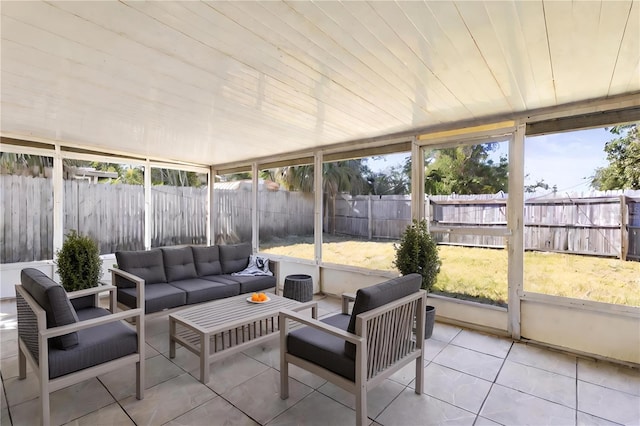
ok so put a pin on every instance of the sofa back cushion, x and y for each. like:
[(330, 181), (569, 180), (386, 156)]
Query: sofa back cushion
[(234, 258), (51, 297), (178, 264), (147, 265), (373, 297), (207, 260)]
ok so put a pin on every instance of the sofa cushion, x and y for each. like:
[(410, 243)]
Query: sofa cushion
[(97, 345), (199, 290), (156, 297), (207, 260), (234, 258), (323, 349), (178, 264), (146, 264), (51, 297), (372, 297), (251, 283)]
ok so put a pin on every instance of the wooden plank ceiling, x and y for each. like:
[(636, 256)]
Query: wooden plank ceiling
[(218, 82)]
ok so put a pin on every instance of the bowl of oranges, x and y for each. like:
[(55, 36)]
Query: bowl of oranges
[(258, 298)]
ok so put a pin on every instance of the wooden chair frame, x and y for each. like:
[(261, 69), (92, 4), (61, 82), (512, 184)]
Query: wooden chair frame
[(382, 347), (40, 365)]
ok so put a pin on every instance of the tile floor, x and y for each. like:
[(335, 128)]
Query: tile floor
[(471, 379)]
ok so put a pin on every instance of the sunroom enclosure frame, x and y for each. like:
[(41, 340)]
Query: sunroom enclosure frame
[(614, 330)]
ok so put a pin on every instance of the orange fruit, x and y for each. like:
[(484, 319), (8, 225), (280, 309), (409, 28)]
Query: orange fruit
[(262, 297), (255, 297)]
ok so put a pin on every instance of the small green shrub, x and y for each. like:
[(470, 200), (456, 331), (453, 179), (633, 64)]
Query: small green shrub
[(418, 252), (78, 262)]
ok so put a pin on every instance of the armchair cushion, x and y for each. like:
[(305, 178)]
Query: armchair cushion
[(323, 349), (234, 258), (179, 263), (207, 260), (377, 295), (52, 297), (97, 345), (147, 265)]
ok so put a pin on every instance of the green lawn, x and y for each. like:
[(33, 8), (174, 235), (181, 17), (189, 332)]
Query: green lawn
[(481, 274)]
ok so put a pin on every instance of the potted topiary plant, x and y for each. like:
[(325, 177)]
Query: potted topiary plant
[(79, 265), (417, 252)]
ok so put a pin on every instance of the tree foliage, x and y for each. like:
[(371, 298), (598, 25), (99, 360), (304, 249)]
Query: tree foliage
[(466, 169), (623, 155), (78, 262)]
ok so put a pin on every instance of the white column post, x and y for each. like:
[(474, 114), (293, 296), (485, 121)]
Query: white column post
[(417, 181), (255, 231), (58, 201), (147, 205), (317, 209), (515, 223)]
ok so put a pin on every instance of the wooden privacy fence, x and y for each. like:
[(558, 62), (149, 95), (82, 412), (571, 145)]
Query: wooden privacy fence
[(596, 225), (113, 215), (605, 225)]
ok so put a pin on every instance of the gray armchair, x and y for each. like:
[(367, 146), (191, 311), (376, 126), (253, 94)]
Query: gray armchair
[(357, 352), (65, 346)]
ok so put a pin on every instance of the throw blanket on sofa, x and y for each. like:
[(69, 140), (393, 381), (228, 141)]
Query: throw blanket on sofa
[(257, 266)]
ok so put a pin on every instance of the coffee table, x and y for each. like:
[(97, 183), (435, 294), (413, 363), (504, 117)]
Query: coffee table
[(223, 327)]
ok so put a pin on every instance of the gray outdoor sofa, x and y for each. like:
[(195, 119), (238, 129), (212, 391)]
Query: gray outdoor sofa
[(174, 277)]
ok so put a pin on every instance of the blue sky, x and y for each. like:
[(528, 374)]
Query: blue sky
[(566, 160)]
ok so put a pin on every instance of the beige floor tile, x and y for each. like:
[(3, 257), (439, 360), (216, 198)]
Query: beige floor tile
[(457, 388), (216, 411), (585, 419), (316, 409), (608, 404), (405, 375), (482, 421), (471, 362), (479, 342), (9, 347), (267, 353), (232, 371), (543, 384), (186, 360), (608, 375), (122, 382), (66, 404), (543, 358), (9, 367), (156, 325), (303, 376), (510, 407), (18, 391), (412, 409), (377, 399), (444, 332), (5, 419), (159, 342), (107, 416), (149, 351), (432, 348), (3, 397), (167, 401), (260, 399)]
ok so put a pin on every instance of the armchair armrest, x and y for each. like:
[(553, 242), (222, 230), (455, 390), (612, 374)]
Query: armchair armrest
[(349, 337), (70, 328), (90, 291), (139, 284), (346, 299)]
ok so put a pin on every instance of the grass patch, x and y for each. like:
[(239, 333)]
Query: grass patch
[(481, 274)]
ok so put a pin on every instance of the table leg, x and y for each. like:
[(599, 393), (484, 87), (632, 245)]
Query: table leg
[(172, 342), (205, 342)]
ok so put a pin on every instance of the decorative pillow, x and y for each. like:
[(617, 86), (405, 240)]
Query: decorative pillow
[(51, 297), (258, 265)]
